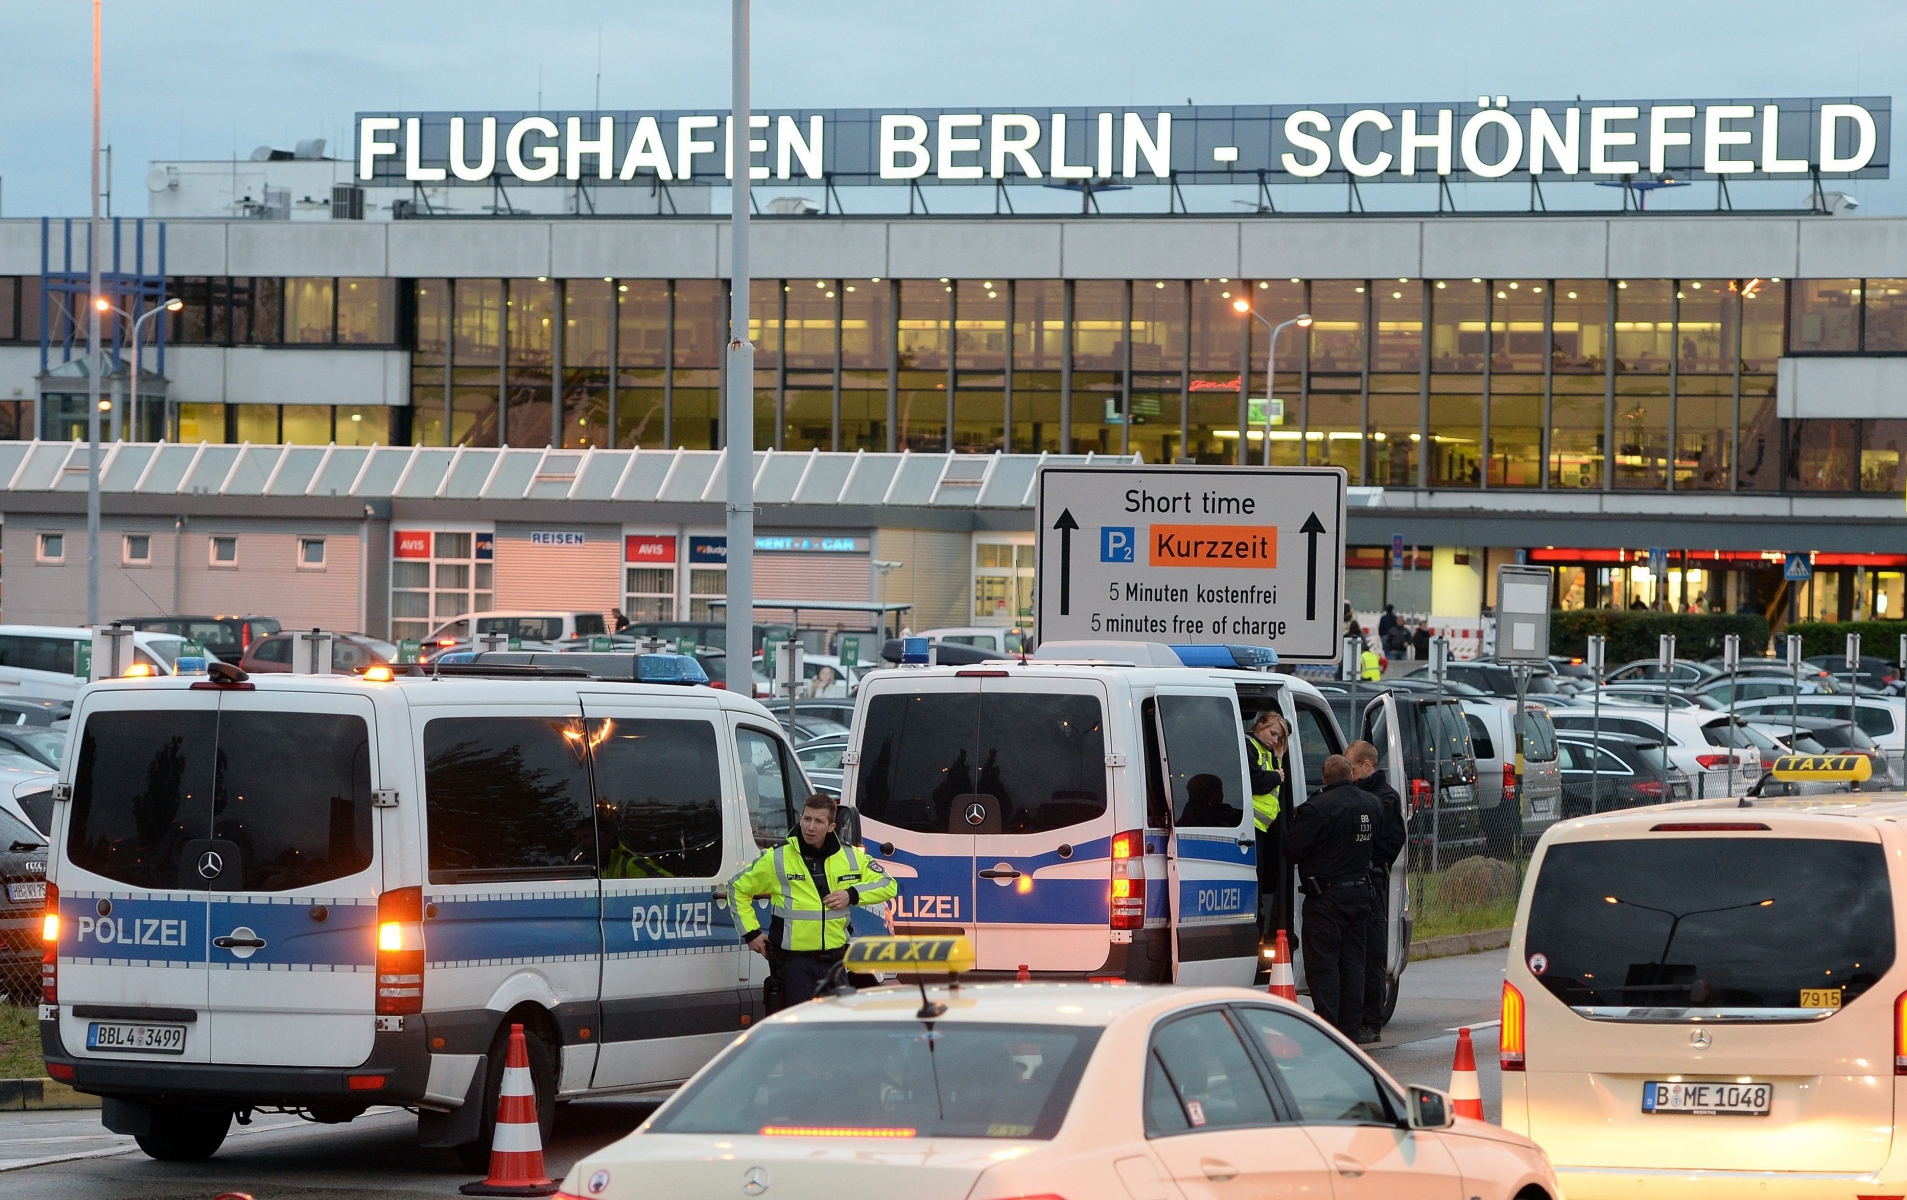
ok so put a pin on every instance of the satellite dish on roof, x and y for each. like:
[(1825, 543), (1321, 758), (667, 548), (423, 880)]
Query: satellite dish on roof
[(308, 148)]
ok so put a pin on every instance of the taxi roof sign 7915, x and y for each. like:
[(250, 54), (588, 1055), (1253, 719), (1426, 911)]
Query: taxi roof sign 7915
[(1193, 554)]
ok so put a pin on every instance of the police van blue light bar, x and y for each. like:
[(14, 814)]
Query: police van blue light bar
[(669, 668), (915, 650), (1247, 658)]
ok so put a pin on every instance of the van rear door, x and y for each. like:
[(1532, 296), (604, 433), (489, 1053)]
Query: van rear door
[(127, 853), (1212, 842), (293, 912)]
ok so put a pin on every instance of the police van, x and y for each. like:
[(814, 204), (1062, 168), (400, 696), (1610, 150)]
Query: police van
[(1085, 814), (320, 893)]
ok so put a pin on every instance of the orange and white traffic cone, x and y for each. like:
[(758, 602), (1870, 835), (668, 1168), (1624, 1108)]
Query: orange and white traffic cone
[(1466, 1098), (516, 1152), (1282, 984), (1025, 976)]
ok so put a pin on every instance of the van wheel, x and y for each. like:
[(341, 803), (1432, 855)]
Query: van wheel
[(476, 1155), (184, 1134)]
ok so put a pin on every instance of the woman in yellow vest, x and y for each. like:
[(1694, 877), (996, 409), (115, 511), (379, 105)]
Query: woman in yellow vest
[(1266, 746)]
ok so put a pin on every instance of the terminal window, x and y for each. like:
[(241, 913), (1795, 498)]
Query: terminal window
[(429, 593), (224, 551), (311, 553), (52, 548), (137, 549)]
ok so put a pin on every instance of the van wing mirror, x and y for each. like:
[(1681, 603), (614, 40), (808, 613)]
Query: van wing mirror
[(1429, 1108)]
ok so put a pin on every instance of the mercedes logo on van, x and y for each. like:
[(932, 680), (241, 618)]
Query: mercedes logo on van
[(976, 814), (1700, 1039), (211, 865), (755, 1181)]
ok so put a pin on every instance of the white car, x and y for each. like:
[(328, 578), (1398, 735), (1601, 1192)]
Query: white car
[(537, 626), (1050, 1090), (996, 638), (1698, 741), (1878, 718), (46, 662)]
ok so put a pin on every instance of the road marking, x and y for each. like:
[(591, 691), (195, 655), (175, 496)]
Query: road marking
[(1479, 1025)]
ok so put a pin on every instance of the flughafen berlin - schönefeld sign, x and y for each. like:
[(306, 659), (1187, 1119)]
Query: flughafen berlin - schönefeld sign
[(1489, 138)]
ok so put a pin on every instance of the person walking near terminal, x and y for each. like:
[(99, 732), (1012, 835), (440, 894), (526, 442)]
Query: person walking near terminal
[(1329, 838), (1385, 847), (812, 880), (1370, 664), (1265, 745)]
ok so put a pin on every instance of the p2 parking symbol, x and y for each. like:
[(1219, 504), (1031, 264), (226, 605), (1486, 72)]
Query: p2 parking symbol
[(1117, 543)]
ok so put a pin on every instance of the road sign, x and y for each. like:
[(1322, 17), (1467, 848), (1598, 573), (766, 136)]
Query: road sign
[(1193, 554), (1522, 613), (1397, 551), (1658, 561), (850, 652), (1798, 569)]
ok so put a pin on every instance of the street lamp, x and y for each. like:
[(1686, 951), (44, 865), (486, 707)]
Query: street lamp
[(171, 304), (1302, 321)]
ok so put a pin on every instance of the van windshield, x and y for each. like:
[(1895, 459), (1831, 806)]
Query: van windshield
[(1724, 928), (1539, 736), (1040, 756)]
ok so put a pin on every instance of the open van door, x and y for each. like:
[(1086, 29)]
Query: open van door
[(1211, 860), (1380, 728)]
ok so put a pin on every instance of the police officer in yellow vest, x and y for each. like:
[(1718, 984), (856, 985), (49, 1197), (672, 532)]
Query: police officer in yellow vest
[(1266, 743), (1370, 667), (808, 932)]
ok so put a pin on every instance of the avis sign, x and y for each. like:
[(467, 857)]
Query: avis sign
[(1180, 554)]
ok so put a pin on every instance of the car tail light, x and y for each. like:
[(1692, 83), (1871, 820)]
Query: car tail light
[(1511, 1054), (1900, 1035), (1713, 762), (50, 948), (1709, 827), (1129, 880), (1419, 795), (400, 952), (1509, 782), (1649, 787)]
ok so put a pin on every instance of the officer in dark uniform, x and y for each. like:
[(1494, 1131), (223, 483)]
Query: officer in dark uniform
[(1329, 839), (1385, 847)]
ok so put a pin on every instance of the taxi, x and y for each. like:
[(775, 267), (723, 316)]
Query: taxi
[(1707, 999), (1043, 1091)]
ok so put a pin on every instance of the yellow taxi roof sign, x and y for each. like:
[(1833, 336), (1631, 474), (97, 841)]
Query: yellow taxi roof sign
[(911, 955), (1843, 768)]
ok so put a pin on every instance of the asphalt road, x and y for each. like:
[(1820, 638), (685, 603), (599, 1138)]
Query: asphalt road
[(58, 1155)]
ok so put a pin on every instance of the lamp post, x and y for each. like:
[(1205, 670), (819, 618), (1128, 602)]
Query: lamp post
[(92, 359), (171, 304), (1302, 321), (738, 424)]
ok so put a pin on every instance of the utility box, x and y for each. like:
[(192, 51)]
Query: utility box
[(1522, 613)]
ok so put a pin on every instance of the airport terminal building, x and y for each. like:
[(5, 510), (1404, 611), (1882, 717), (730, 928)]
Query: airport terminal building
[(1561, 388)]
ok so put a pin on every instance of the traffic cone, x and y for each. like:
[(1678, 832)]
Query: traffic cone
[(1025, 976), (1466, 1098), (1282, 983), (516, 1152)]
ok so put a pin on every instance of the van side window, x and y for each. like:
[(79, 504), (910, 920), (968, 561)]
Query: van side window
[(1201, 746), (1480, 737), (507, 798), (1158, 812), (1318, 739), (658, 798), (293, 828), (142, 788), (765, 783), (37, 653)]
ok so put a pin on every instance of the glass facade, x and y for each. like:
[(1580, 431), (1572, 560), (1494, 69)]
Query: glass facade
[(1629, 384)]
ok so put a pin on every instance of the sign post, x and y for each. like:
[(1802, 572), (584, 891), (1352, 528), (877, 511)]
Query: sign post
[(1731, 659), (1665, 659), (1522, 638), (1593, 656), (1794, 696), (1187, 554), (1853, 685)]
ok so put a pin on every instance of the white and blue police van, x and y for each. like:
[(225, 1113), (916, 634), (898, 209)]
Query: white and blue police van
[(319, 893), (1085, 813)]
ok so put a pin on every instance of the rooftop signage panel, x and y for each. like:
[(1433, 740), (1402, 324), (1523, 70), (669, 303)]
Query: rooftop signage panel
[(1488, 138)]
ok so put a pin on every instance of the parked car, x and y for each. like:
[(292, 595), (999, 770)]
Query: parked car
[(1424, 743), (1690, 746), (227, 638), (1651, 694), (43, 662), (999, 640), (1616, 770), (1495, 678), (1819, 735), (821, 761), (1877, 717), (534, 626), (1506, 808), (1684, 673), (815, 718), (34, 712), (350, 653), (43, 745), (712, 634), (1759, 685), (22, 901), (1874, 672)]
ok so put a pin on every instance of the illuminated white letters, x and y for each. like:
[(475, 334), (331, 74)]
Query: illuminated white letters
[(893, 144), (546, 155), (1512, 143), (790, 144), (755, 146), (1105, 145), (369, 147), (1412, 141), (1771, 161), (1347, 144), (646, 150), (460, 163), (1158, 153), (1831, 117), (1565, 147), (1714, 138), (604, 147), (1317, 147), (1056, 161), (1661, 137), (413, 149), (1602, 139), (687, 145), (949, 145), (1019, 147)]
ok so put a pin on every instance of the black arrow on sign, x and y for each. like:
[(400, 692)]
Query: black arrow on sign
[(1066, 525), (1311, 528)]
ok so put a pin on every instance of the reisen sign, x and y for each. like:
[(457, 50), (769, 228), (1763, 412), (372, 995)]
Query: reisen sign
[(1193, 554)]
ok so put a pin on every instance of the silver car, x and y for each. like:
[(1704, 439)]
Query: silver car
[(1539, 803)]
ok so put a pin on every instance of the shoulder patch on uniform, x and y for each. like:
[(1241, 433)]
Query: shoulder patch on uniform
[(875, 867)]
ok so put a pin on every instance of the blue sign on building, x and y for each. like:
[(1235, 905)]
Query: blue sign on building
[(709, 551), (1799, 568)]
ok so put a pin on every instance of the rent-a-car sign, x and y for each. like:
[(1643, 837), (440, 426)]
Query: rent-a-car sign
[(1178, 554)]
